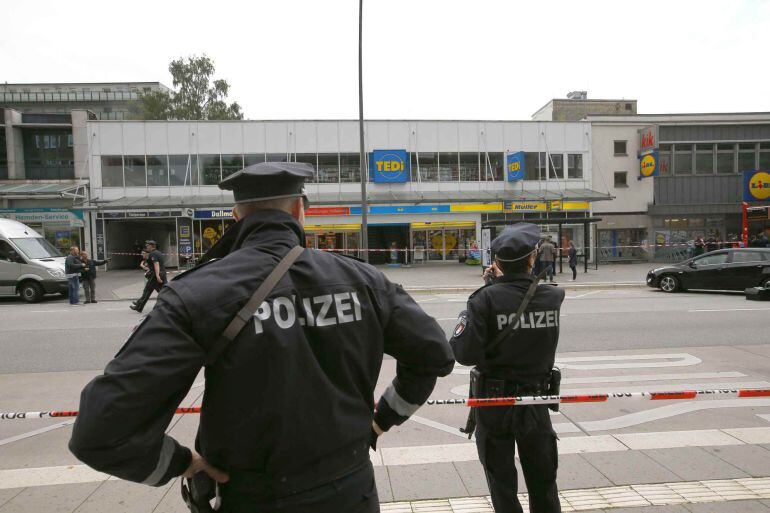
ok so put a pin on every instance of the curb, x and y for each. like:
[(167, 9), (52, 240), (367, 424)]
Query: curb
[(573, 287)]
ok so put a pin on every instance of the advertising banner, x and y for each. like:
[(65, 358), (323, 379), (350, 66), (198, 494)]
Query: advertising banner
[(389, 166), (514, 166), (756, 186), (72, 218), (648, 166)]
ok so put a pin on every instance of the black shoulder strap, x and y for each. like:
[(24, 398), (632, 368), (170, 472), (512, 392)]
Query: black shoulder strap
[(244, 314), (513, 326)]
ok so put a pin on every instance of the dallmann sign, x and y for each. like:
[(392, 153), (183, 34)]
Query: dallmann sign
[(389, 166)]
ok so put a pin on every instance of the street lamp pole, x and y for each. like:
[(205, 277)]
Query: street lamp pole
[(364, 202)]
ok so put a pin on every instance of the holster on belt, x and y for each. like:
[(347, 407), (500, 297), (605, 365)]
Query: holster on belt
[(474, 390), (554, 386), (198, 492)]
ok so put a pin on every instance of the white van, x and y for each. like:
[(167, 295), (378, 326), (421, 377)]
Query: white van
[(29, 265)]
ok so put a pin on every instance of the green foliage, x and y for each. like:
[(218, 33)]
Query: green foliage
[(195, 96)]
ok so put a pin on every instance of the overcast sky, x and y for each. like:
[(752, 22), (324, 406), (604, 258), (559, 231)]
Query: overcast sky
[(445, 59)]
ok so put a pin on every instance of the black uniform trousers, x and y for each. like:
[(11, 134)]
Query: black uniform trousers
[(354, 493), (498, 431), (149, 287)]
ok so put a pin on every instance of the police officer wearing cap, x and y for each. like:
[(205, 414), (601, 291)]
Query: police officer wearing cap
[(156, 275), (288, 414), (513, 357)]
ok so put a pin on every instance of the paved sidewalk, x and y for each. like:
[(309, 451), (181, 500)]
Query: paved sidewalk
[(432, 277)]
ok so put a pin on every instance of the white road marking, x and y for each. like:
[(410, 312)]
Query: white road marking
[(764, 416), (669, 410), (50, 311), (30, 434), (670, 439), (44, 476), (631, 361), (731, 310), (559, 427), (585, 294), (651, 377)]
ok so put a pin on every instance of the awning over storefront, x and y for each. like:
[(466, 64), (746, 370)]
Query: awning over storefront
[(42, 190), (374, 197)]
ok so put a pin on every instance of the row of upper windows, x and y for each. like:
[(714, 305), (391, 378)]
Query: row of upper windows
[(76, 96), (180, 170)]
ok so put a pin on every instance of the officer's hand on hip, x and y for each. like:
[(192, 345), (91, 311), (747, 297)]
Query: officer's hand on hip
[(198, 464)]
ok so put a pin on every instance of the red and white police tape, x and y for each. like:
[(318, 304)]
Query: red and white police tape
[(487, 402)]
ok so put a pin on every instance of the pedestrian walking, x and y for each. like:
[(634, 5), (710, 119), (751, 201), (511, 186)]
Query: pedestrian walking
[(155, 273), (292, 340), (547, 255), (573, 261), (509, 332), (88, 275), (73, 266)]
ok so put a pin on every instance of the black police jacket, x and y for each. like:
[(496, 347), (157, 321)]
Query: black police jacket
[(526, 356), (290, 401)]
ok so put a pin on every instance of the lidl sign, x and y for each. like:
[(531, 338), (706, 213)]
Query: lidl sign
[(756, 185), (514, 166), (649, 165), (389, 166)]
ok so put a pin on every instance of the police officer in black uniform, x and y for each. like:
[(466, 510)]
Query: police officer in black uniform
[(288, 413), (156, 275), (519, 364)]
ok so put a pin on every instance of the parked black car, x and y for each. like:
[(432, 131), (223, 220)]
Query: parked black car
[(726, 269)]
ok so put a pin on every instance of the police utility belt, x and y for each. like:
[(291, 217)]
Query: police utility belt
[(483, 386)]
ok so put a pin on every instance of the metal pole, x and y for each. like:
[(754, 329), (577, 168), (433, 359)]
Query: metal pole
[(364, 203)]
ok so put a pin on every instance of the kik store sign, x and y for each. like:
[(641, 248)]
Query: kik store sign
[(756, 186), (648, 152), (389, 166)]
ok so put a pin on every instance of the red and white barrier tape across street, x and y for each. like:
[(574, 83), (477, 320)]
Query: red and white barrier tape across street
[(482, 403)]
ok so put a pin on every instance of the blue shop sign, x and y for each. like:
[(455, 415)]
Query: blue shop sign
[(213, 213), (514, 166), (389, 166), (405, 209)]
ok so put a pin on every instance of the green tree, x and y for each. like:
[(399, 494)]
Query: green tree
[(195, 95)]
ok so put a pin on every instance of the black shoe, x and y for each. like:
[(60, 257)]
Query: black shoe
[(135, 308), (93, 301)]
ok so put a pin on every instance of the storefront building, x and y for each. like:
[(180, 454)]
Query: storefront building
[(689, 171), (433, 184)]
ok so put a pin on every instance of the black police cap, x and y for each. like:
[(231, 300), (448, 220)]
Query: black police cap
[(268, 180), (150, 241), (516, 242)]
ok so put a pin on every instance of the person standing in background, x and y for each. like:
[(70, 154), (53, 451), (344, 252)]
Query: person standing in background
[(72, 268), (547, 255), (572, 255), (88, 276)]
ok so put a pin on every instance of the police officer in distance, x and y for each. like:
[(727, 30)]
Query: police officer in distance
[(156, 274), (288, 409), (515, 362)]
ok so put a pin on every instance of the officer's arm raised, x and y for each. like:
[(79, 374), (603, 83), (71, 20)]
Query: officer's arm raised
[(123, 415), (422, 354)]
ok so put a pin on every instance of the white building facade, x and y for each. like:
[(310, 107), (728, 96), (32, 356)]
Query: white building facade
[(159, 180)]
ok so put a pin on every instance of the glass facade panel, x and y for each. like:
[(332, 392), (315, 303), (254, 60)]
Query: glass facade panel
[(575, 166), (449, 167), (665, 163), (725, 158), (747, 157), (276, 157), (183, 170), (48, 154), (134, 171), (704, 159), (250, 159), (469, 167), (112, 171), (350, 167), (328, 168), (157, 170), (557, 166), (764, 159), (534, 165), (231, 164), (3, 156), (683, 159), (308, 158), (427, 164), (493, 166), (211, 173)]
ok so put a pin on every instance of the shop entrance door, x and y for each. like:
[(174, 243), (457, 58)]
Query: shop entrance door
[(383, 237), (125, 239)]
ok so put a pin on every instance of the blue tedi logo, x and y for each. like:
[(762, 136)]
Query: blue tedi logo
[(390, 166)]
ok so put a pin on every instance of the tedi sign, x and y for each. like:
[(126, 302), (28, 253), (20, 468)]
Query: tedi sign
[(389, 166)]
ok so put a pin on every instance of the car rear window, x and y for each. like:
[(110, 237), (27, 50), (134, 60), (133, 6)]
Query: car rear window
[(741, 257)]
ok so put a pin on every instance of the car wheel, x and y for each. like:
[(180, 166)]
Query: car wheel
[(766, 283), (669, 283), (31, 292)]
